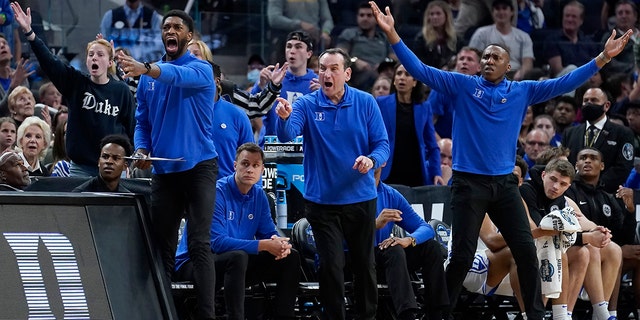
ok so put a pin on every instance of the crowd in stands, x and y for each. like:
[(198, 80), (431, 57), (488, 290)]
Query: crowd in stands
[(76, 123)]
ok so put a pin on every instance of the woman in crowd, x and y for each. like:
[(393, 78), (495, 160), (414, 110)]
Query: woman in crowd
[(49, 95), (545, 123), (8, 130), (381, 87), (437, 42), (22, 104), (415, 156), (98, 104), (60, 164), (13, 174), (34, 135)]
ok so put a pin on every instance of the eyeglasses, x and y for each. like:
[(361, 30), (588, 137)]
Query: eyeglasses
[(539, 143)]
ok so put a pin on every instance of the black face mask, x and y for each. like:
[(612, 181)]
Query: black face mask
[(592, 112)]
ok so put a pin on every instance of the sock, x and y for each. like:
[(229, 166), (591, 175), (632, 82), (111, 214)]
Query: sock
[(559, 311), (524, 315), (613, 313), (569, 315), (600, 310)]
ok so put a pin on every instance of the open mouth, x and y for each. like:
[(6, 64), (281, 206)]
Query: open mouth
[(328, 84), (172, 44), (94, 66)]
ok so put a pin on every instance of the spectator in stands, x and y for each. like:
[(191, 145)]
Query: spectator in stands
[(21, 104), (247, 246), (545, 123), (475, 13), (49, 95), (367, 46), (112, 163), (59, 167), (467, 62), (537, 141), (445, 145), (414, 154), (502, 32), (8, 130), (564, 114), (179, 186), (603, 209), (254, 66), (254, 105), (381, 87), (530, 15), (614, 141), (437, 42), (13, 174), (135, 27), (569, 45), (396, 256), (34, 136), (622, 88), (10, 78), (231, 127), (633, 118), (312, 17), (503, 203), (299, 80), (626, 18), (98, 104), (525, 128), (346, 166)]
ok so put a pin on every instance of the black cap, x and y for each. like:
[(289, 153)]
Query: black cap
[(256, 58), (301, 36), (498, 3)]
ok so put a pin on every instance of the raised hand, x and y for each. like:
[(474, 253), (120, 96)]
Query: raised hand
[(385, 22), (613, 47), (277, 74), (23, 19), (21, 73)]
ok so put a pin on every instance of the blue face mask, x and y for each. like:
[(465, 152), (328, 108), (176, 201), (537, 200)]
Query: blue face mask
[(253, 75)]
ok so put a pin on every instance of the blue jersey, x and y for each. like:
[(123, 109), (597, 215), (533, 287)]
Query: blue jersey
[(231, 128)]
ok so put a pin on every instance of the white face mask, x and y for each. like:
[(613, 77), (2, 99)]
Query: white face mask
[(253, 75)]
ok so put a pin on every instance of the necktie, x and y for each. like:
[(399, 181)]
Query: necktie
[(592, 134)]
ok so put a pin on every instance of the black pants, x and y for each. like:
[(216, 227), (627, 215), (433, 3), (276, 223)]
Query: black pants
[(396, 263), (474, 195), (192, 192), (354, 223)]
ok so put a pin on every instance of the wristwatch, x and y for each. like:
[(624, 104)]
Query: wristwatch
[(148, 66)]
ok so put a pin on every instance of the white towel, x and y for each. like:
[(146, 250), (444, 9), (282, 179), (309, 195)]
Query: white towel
[(550, 248)]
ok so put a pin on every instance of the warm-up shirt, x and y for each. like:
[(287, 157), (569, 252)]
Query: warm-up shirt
[(487, 116), (175, 114), (231, 128), (334, 136)]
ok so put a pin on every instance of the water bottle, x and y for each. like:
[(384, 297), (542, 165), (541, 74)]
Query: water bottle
[(281, 209)]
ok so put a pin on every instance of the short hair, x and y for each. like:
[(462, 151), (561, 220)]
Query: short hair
[(577, 4), (545, 116), (364, 5), (344, 54), (563, 167), (499, 45), (186, 19), (13, 96), (569, 100), (46, 130), (301, 36), (118, 139), (592, 149), (524, 167), (476, 50), (507, 3), (250, 147), (552, 153)]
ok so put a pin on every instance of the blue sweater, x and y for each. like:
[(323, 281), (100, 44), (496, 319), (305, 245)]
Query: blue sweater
[(487, 116), (390, 198), (334, 136), (425, 134), (293, 87), (231, 128), (175, 114), (441, 106), (239, 221)]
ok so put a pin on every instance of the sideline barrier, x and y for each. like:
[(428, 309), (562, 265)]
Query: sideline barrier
[(78, 255)]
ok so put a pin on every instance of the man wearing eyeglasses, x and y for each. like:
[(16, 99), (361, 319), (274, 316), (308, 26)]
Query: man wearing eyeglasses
[(536, 142), (113, 149)]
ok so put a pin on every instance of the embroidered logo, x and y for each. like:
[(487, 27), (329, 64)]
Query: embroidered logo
[(479, 93), (319, 116)]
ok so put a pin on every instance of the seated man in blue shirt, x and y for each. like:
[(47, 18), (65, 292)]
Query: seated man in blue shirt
[(397, 256), (244, 239)]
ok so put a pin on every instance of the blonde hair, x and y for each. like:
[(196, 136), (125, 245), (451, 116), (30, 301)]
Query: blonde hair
[(206, 52), (13, 96), (46, 130), (112, 69), (430, 34)]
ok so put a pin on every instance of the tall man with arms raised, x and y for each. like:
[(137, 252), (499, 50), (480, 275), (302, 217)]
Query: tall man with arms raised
[(483, 163), (344, 141), (174, 120)]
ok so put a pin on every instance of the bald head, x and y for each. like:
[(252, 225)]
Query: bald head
[(445, 145)]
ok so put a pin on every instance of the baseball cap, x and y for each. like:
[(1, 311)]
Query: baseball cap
[(303, 37)]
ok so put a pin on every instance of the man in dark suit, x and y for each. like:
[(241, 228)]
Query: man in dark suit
[(613, 140)]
